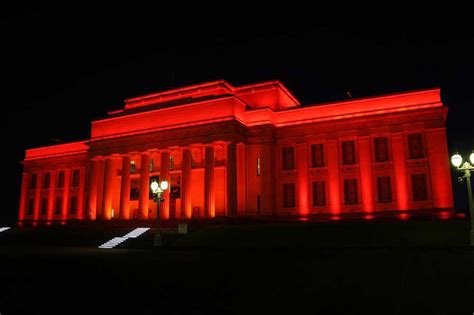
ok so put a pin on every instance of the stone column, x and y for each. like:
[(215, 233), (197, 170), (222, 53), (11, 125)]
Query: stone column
[(39, 185), (144, 185), (51, 196), (24, 193), (186, 205), (333, 175), (209, 192), (438, 157), (365, 167), (100, 188), (165, 175), (231, 178), (81, 196), (302, 170), (400, 170), (108, 188), (67, 184), (125, 188), (93, 183)]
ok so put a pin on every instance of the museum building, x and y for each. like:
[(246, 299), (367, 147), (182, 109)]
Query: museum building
[(246, 151)]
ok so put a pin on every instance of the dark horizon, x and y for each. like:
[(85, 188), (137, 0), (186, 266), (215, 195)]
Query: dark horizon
[(66, 66)]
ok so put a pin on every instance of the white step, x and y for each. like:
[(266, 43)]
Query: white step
[(2, 229), (117, 240)]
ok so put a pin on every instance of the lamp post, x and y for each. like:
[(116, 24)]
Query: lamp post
[(158, 190), (466, 168)]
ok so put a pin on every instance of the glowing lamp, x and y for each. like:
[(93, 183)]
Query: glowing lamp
[(471, 158), (164, 185), (456, 160), (154, 186)]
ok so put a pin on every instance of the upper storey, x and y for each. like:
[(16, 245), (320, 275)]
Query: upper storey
[(251, 105)]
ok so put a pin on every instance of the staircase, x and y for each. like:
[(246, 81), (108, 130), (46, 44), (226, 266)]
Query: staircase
[(118, 240)]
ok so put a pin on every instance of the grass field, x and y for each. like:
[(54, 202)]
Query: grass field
[(243, 267)]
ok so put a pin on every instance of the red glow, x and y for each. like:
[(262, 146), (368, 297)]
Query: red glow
[(255, 123), (63, 223), (444, 215), (20, 224), (35, 223), (49, 223), (460, 215), (403, 216)]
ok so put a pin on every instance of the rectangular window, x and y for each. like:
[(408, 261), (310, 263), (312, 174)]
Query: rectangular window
[(350, 191), (319, 193), (348, 152), (317, 159), (151, 165), (33, 180), (61, 179), (46, 180), (418, 185), (75, 178), (133, 167), (134, 189), (384, 189), (288, 158), (171, 162), (288, 195), (415, 146), (73, 205), (44, 206), (58, 206), (381, 149), (31, 206), (258, 166)]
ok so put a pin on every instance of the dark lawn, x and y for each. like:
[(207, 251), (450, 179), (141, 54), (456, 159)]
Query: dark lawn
[(244, 268)]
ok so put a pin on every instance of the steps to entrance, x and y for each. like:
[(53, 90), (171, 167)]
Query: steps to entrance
[(118, 240)]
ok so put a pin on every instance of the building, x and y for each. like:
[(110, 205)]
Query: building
[(248, 150)]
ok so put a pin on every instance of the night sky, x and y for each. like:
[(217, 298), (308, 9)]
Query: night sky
[(63, 66)]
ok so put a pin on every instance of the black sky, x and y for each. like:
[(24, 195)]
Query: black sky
[(63, 66)]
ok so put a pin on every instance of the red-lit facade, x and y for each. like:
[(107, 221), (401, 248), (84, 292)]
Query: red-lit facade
[(249, 150)]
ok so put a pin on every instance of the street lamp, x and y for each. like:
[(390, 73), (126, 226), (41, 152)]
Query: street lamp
[(158, 190), (466, 168)]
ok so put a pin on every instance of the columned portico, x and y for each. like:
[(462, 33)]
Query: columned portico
[(186, 202), (93, 183), (164, 175), (231, 178), (209, 192), (144, 185), (125, 188)]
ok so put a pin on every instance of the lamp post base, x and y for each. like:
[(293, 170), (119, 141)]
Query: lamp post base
[(158, 240)]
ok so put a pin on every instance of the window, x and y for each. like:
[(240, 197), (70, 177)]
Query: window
[(134, 189), (31, 206), (384, 189), (151, 165), (44, 206), (171, 162), (73, 205), (418, 185), (350, 191), (47, 180), (58, 206), (75, 178), (288, 195), (288, 158), (348, 152), (317, 159), (319, 193), (61, 179), (133, 167), (33, 179), (258, 166), (415, 146), (381, 149)]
